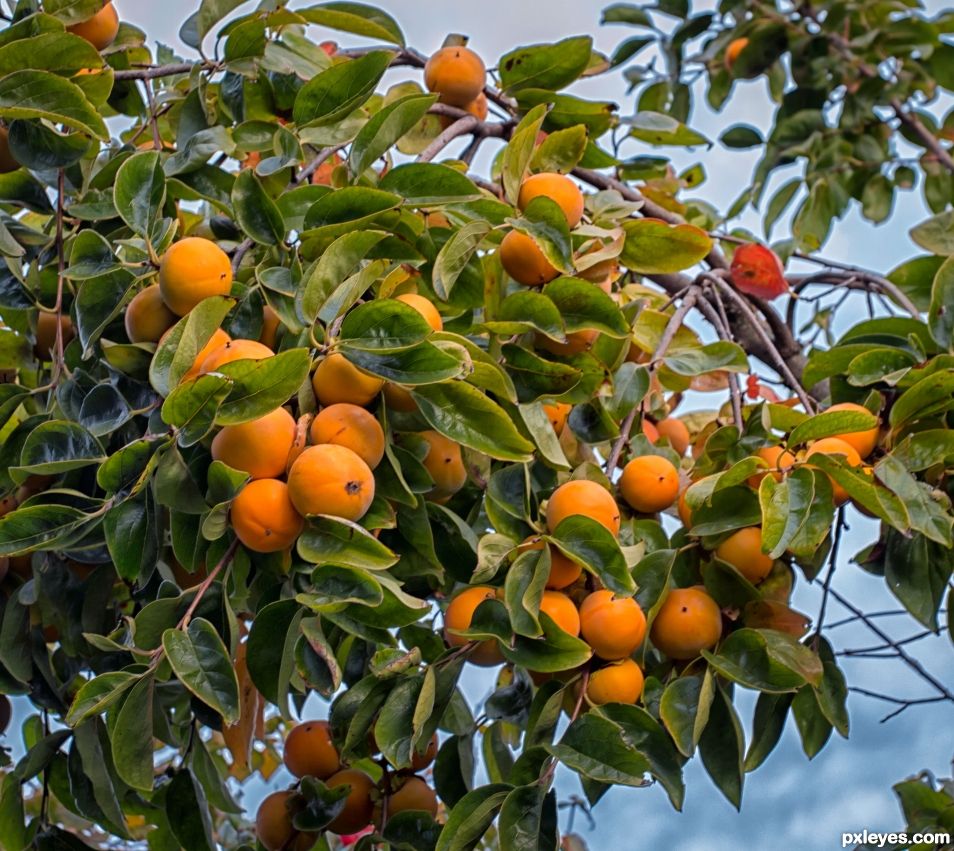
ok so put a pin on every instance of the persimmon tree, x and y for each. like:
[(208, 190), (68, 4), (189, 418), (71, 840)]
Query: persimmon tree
[(329, 380)]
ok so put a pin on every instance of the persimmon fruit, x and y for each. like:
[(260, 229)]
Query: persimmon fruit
[(352, 426)]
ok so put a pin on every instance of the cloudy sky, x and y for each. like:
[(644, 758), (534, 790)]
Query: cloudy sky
[(789, 802)]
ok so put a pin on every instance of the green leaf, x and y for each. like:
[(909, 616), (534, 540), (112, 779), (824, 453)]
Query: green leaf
[(56, 447), (814, 728), (555, 651), (202, 664), (471, 816), (545, 66), (519, 151), (132, 739), (722, 354), (421, 365), (260, 386), (356, 18), (40, 94), (941, 311), (454, 256), (256, 213), (52, 51), (658, 129), (429, 184), (581, 305), (721, 747), (192, 407), (177, 352), (96, 695), (655, 247), (765, 660), (139, 192), (335, 265), (331, 540), (133, 536), (271, 643), (916, 571), (342, 211), (831, 423), (591, 544), (544, 221), (561, 151), (38, 527), (741, 136), (333, 586), (936, 234), (771, 710), (684, 709), (523, 591), (337, 92), (928, 397), (465, 415), (199, 24), (528, 819), (393, 731), (796, 512), (385, 128), (188, 813), (383, 325)]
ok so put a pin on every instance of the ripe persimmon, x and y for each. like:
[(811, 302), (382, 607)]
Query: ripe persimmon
[(349, 425), (444, 463), (331, 479), (264, 518), (683, 509), (425, 308), (46, 325), (413, 794), (310, 752), (621, 682), (688, 621), (234, 350), (835, 446), (649, 429), (457, 74), (613, 626), (676, 432), (338, 380), (576, 343), (8, 162), (218, 339), (421, 760), (273, 823), (779, 461), (581, 496), (563, 570), (649, 483), (101, 29), (191, 270), (557, 187), (399, 398), (562, 610), (557, 413), (147, 317), (458, 616), (525, 261), (743, 550), (359, 807), (259, 447), (478, 107), (864, 442), (270, 325)]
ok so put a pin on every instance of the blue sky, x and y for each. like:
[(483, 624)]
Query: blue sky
[(789, 802)]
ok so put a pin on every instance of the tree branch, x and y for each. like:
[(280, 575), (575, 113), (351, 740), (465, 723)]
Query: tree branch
[(668, 335)]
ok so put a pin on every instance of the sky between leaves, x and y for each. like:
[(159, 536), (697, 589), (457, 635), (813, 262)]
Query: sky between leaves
[(788, 802)]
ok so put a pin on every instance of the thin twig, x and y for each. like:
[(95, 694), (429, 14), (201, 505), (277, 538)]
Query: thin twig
[(668, 335), (909, 660), (206, 584), (826, 587), (151, 72)]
